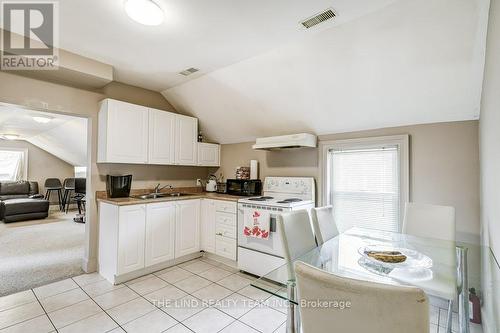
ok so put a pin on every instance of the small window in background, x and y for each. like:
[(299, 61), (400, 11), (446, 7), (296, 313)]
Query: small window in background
[(13, 164), (80, 172), (365, 189)]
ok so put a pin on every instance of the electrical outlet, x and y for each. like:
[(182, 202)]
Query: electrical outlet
[(198, 182)]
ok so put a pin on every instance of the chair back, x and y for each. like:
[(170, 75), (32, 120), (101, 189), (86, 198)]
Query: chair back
[(80, 185), (69, 184), (296, 236), (372, 307), (431, 221), (323, 223), (53, 183)]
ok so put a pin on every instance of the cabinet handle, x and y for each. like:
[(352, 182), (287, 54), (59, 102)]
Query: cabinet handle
[(218, 233)]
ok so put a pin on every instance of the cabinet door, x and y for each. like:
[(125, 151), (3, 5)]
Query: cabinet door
[(161, 137), (208, 154), (160, 233), (127, 133), (186, 140), (208, 225), (187, 227), (131, 233)]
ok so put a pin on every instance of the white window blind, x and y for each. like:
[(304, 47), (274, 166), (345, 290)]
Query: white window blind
[(12, 164), (365, 189)]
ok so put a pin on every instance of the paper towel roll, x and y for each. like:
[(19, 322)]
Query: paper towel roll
[(254, 169)]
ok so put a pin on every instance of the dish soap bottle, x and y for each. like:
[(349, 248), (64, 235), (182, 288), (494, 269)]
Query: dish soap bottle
[(474, 307)]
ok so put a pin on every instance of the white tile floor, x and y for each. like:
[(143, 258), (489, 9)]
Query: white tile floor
[(201, 295)]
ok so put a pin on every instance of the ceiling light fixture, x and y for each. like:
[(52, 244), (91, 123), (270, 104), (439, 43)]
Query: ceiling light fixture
[(41, 119), (10, 136), (144, 11)]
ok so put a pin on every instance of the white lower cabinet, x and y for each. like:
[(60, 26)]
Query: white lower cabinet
[(137, 237), (132, 225), (160, 232), (208, 225), (187, 227), (219, 225)]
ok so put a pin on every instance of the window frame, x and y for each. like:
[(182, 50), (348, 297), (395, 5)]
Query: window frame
[(401, 141), (25, 152)]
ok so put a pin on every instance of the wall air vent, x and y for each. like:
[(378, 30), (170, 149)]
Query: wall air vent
[(318, 18), (189, 71)]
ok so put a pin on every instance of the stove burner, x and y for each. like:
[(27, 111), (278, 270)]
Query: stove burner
[(290, 200), (261, 198)]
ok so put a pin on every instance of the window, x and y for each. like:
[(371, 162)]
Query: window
[(366, 181), (80, 172), (13, 164)]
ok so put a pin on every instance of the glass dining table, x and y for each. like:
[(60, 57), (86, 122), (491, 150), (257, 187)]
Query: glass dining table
[(446, 278)]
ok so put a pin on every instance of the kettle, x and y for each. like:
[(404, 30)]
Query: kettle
[(211, 185)]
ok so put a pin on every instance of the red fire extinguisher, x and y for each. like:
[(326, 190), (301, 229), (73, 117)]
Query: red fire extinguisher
[(474, 307)]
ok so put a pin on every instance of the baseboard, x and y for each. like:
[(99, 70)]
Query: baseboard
[(225, 261), (89, 265)]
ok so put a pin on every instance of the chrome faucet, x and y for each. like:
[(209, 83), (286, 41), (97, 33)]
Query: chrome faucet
[(158, 188)]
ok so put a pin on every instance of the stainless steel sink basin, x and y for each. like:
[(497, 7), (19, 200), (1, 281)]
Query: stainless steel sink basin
[(159, 195)]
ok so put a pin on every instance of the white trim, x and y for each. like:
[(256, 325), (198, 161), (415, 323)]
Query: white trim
[(402, 141), (25, 159)]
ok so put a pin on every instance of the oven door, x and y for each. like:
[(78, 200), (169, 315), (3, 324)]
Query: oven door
[(271, 245)]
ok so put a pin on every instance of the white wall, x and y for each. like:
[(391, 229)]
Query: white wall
[(408, 63), (490, 171)]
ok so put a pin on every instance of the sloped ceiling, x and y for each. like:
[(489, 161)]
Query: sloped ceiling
[(195, 33), (64, 136), (408, 63)]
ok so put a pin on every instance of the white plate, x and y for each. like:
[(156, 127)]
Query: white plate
[(414, 259)]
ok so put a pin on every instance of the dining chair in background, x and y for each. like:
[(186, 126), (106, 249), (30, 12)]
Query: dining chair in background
[(53, 184), (323, 223), (68, 187), (432, 221), (374, 307), (296, 236)]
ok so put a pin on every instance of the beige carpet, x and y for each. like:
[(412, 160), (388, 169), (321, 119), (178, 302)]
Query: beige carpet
[(34, 253)]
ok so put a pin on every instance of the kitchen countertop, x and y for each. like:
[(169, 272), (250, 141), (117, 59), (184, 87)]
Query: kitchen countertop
[(202, 195)]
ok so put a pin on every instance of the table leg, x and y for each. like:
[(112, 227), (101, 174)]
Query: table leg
[(292, 318), (463, 290)]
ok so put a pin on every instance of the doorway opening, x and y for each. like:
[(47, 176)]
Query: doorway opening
[(44, 178)]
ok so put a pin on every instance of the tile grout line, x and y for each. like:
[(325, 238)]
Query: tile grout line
[(43, 308), (99, 308), (259, 302)]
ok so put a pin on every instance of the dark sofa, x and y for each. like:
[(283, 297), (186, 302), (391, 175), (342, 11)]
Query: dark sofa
[(20, 201)]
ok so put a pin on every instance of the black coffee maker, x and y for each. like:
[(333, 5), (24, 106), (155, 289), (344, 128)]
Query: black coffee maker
[(118, 186)]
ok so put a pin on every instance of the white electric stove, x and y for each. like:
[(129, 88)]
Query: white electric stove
[(280, 194)]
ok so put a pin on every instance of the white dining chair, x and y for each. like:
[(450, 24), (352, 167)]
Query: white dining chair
[(374, 307), (323, 223), (432, 221), (296, 236)]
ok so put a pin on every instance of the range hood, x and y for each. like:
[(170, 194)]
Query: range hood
[(301, 140)]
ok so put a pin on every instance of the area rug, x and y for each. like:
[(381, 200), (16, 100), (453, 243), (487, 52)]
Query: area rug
[(39, 252)]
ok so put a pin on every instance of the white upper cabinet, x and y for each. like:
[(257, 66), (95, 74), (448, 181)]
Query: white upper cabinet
[(208, 154), (129, 133), (123, 132), (187, 227), (186, 140), (161, 137)]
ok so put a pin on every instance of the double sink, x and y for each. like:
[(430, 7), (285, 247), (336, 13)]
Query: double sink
[(159, 195)]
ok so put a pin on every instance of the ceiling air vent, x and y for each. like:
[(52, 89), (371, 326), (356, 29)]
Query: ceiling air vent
[(189, 71), (317, 19)]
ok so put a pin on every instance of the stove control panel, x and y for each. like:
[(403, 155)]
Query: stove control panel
[(289, 185)]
